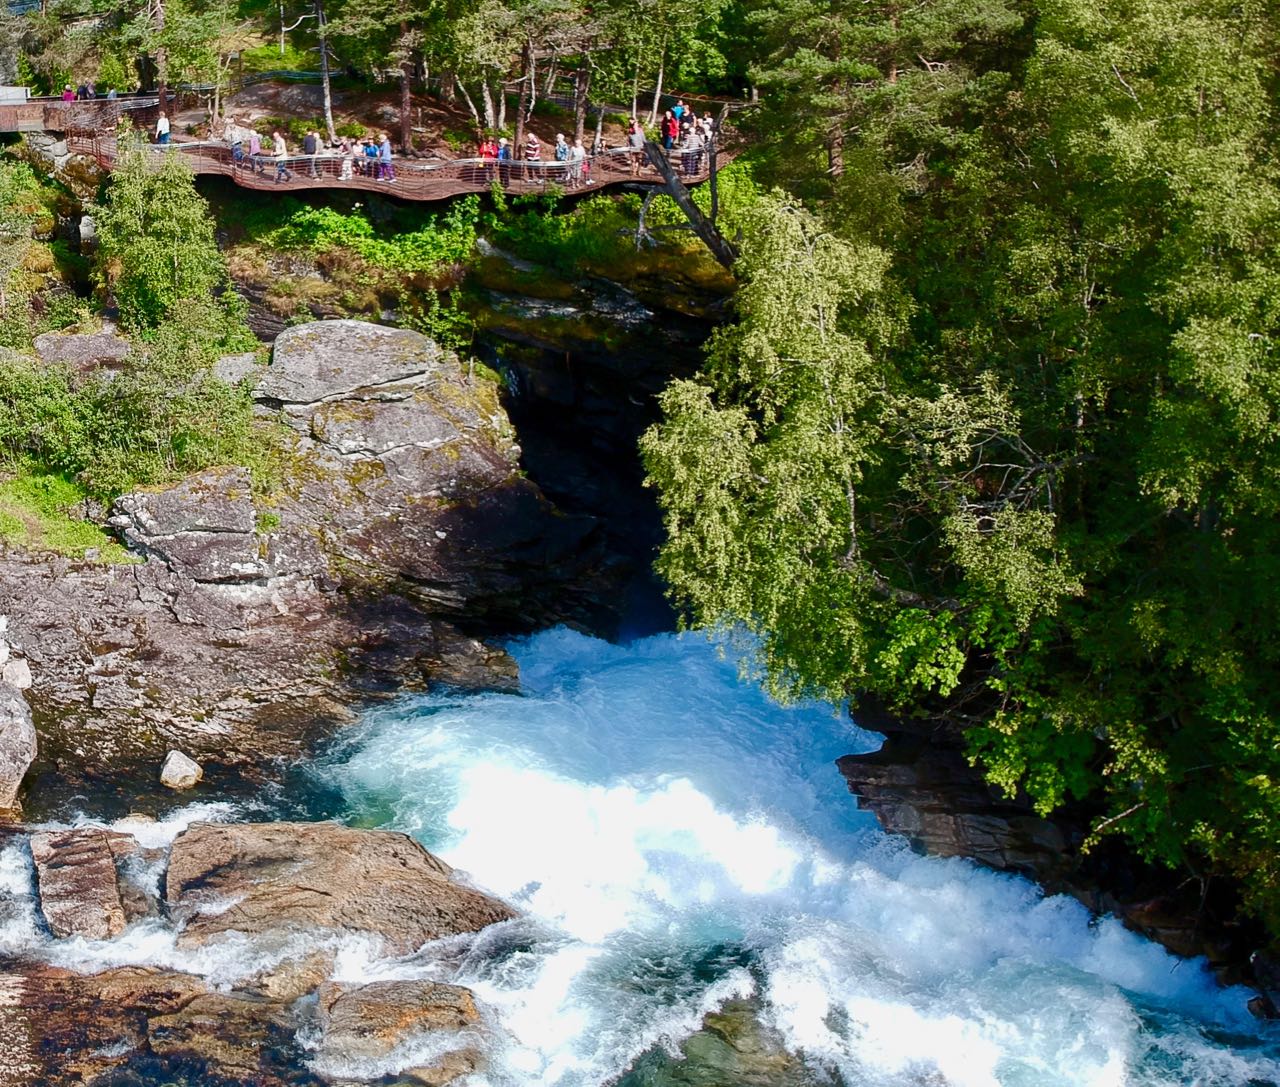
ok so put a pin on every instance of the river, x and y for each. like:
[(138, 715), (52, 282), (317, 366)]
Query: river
[(676, 840)]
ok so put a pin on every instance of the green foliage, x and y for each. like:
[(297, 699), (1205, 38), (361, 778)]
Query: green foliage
[(37, 512), (296, 129), (441, 240), (163, 416), (268, 58), (156, 246), (995, 433), (443, 320), (591, 236)]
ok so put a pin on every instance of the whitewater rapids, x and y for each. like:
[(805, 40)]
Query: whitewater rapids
[(676, 839)]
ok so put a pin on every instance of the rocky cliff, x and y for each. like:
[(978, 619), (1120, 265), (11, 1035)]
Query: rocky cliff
[(250, 621)]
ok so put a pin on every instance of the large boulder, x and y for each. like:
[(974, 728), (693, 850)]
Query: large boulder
[(255, 878), (76, 875), (202, 528), (83, 353), (367, 1023), (417, 476), (17, 742)]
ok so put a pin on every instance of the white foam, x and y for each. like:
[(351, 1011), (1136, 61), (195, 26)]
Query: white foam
[(672, 833)]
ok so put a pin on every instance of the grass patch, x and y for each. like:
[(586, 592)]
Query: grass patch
[(36, 515)]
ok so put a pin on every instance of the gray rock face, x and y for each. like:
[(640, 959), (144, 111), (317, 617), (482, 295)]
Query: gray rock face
[(244, 630), (928, 793), (234, 369), (16, 674), (17, 743), (331, 360), (202, 528), (254, 878), (76, 874), (83, 352)]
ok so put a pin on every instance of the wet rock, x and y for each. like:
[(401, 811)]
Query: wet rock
[(921, 785), (254, 878), (17, 743), (59, 1028), (76, 876), (925, 790), (234, 1035), (292, 977), (367, 1022), (732, 1048), (180, 772), (444, 1070)]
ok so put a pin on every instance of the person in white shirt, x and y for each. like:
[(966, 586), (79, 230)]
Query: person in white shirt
[(162, 128), (577, 157)]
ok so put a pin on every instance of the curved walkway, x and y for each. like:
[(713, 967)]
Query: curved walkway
[(414, 179)]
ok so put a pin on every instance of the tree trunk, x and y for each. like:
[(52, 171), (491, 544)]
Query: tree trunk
[(835, 153), (526, 80), (162, 61), (721, 248), (406, 102), (581, 89), (657, 91), (490, 119), (281, 2), (324, 73), (448, 87), (475, 113)]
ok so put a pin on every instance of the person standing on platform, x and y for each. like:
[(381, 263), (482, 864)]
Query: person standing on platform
[(280, 150), (635, 145), (577, 162), (504, 161), (310, 148), (162, 129), (532, 154), (386, 170)]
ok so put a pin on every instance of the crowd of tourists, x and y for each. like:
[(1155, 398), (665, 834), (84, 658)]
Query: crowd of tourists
[(680, 132), (685, 137)]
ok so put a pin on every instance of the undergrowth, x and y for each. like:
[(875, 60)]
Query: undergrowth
[(38, 513)]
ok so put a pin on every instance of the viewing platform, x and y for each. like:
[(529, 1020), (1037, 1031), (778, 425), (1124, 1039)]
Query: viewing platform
[(92, 116), (415, 179), (89, 128)]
